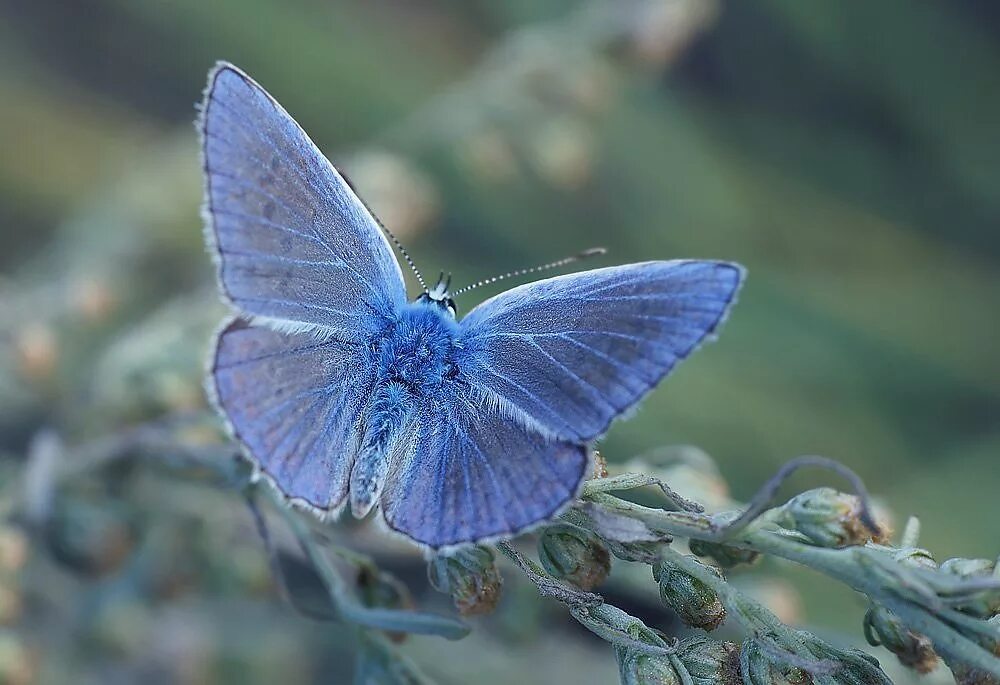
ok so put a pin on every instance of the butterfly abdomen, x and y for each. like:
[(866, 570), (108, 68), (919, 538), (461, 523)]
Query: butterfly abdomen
[(413, 359), (385, 417)]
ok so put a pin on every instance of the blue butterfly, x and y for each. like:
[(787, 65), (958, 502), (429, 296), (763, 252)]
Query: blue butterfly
[(341, 390)]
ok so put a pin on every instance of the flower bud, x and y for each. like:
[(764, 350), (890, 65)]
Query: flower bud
[(695, 602), (636, 668), (470, 576), (827, 517), (912, 649), (758, 668), (725, 556), (575, 554), (983, 604), (857, 668), (710, 662)]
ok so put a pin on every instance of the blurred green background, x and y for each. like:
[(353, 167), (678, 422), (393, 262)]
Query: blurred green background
[(847, 153)]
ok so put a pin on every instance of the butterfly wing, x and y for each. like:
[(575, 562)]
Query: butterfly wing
[(293, 400), (299, 253), (294, 243), (569, 354), (544, 369), (463, 474)]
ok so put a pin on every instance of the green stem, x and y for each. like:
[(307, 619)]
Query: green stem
[(348, 609)]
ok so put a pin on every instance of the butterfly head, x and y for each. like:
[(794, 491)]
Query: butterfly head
[(440, 295)]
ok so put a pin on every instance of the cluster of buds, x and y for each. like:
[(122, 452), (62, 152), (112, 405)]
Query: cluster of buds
[(759, 666), (470, 576), (695, 603), (826, 517), (699, 661), (574, 554)]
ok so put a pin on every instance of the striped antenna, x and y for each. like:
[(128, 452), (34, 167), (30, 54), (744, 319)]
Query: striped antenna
[(402, 251), (592, 252)]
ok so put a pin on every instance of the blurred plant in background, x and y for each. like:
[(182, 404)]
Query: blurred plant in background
[(845, 153)]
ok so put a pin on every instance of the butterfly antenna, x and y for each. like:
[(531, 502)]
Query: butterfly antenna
[(592, 252), (388, 233), (406, 255)]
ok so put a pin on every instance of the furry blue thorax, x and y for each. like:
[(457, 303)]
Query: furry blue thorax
[(413, 359)]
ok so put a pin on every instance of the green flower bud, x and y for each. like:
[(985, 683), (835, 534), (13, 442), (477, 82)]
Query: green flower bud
[(470, 576), (644, 669), (758, 668), (858, 668), (984, 604), (695, 602), (854, 667), (575, 554), (827, 517), (912, 649), (725, 556), (710, 662)]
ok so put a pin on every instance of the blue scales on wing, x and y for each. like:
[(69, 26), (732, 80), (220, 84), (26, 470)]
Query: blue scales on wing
[(294, 401), (462, 475), (570, 354), (295, 244), (307, 267)]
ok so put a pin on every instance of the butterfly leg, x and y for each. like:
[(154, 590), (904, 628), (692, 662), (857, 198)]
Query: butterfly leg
[(383, 423)]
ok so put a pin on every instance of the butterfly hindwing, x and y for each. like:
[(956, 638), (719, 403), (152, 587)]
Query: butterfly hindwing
[(463, 474), (293, 241), (294, 401), (572, 353)]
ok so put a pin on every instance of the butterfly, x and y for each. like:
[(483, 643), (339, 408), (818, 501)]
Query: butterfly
[(343, 392)]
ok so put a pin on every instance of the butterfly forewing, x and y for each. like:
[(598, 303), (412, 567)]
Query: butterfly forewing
[(573, 352), (294, 242)]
